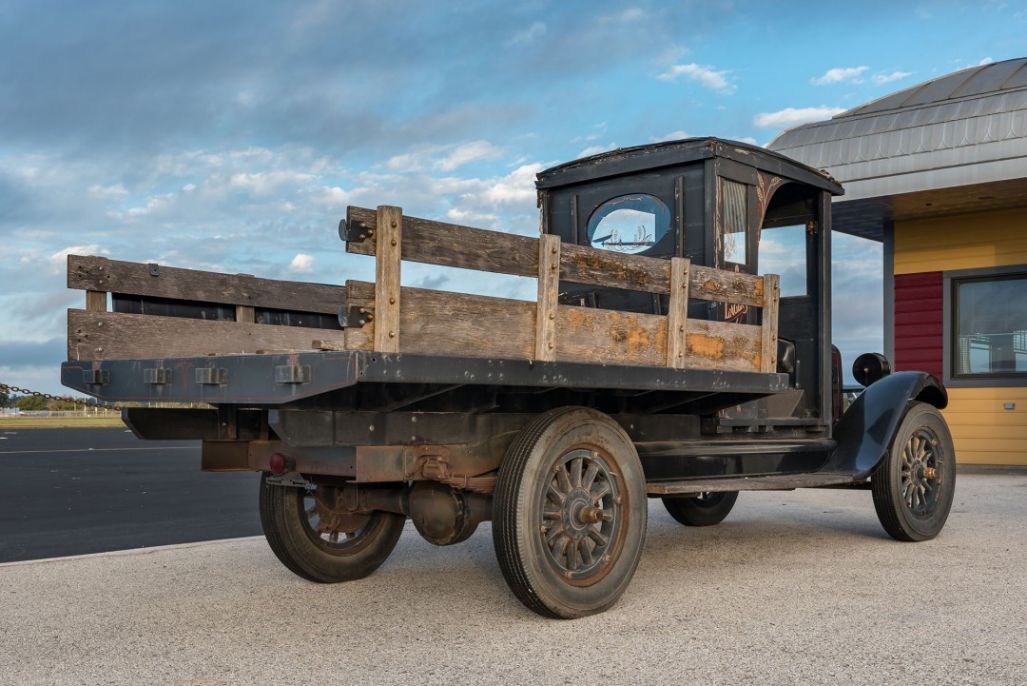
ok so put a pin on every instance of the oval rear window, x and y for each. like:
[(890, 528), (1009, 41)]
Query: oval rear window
[(629, 223)]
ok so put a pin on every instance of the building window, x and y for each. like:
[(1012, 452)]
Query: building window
[(629, 223), (989, 326)]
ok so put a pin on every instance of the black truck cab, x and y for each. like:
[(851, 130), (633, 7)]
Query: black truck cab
[(721, 204)]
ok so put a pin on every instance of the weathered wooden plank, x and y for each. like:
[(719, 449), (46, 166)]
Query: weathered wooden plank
[(722, 345), (771, 301), (677, 313), (245, 313), (707, 283), (440, 323), (548, 296), (388, 260), (96, 301), (434, 322), (113, 276), (112, 335), (452, 245), (593, 267)]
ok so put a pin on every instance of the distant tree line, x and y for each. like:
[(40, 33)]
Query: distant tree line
[(35, 403)]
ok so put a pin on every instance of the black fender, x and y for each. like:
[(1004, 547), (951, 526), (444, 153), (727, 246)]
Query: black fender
[(866, 430)]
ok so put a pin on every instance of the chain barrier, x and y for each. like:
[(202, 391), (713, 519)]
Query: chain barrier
[(60, 398)]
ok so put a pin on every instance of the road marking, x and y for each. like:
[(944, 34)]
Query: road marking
[(132, 551), (95, 450)]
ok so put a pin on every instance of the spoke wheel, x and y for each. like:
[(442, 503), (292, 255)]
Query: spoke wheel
[(705, 509), (914, 485), (320, 542), (569, 513)]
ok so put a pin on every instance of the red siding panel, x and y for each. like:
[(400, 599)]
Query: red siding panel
[(918, 322)]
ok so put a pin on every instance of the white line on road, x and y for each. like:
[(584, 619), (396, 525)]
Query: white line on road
[(131, 551), (95, 450)]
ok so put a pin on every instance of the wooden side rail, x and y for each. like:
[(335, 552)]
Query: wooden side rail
[(95, 333), (452, 245), (433, 322)]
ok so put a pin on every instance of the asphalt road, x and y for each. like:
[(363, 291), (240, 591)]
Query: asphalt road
[(74, 491), (793, 588)]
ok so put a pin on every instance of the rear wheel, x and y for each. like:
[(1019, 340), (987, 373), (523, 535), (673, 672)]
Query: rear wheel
[(569, 513), (914, 485), (320, 543), (705, 509)]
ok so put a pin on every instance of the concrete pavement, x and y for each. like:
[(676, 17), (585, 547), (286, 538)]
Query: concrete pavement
[(793, 588)]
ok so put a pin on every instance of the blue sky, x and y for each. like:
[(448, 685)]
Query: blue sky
[(231, 136)]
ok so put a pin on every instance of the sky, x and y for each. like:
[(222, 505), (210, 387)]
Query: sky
[(231, 136)]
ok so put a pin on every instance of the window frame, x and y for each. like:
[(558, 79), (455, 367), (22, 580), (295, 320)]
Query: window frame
[(950, 319), (668, 230)]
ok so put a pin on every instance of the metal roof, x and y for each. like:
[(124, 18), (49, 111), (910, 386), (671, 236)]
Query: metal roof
[(964, 129)]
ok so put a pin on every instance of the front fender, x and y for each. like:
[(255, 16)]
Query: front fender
[(866, 430)]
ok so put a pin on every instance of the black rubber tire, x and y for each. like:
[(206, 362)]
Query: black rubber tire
[(517, 517), (886, 482), (295, 545), (711, 509)]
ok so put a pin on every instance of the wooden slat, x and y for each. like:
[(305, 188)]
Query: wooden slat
[(434, 322), (677, 314), (388, 248), (134, 278), (245, 313), (96, 301), (548, 297), (111, 335), (452, 245), (771, 300)]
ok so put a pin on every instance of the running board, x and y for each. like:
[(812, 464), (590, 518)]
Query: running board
[(774, 482)]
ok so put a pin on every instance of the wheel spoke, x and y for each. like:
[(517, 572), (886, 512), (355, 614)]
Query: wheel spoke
[(577, 467), (590, 476), (596, 536), (552, 514), (585, 552), (553, 534), (563, 479), (600, 492)]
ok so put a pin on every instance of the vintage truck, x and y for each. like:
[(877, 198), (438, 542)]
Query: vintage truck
[(656, 362)]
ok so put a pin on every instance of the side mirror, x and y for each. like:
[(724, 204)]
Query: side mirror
[(870, 367)]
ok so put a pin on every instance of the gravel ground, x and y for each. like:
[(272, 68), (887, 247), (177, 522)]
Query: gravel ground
[(793, 588)]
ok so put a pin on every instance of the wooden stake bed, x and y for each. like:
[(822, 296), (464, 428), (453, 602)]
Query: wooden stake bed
[(163, 312)]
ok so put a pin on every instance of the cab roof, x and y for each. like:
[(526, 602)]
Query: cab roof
[(673, 153)]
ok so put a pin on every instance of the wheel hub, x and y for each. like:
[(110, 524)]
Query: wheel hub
[(920, 474), (581, 516)]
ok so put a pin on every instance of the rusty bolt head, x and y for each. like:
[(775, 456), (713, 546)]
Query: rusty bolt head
[(393, 241), (392, 334)]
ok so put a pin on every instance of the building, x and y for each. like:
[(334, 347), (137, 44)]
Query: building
[(938, 174)]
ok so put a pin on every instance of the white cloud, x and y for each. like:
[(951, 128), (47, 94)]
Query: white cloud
[(517, 186), (443, 157), (265, 183), (882, 77), (108, 192), (467, 153), (709, 77), (528, 35), (794, 116), (747, 139), (671, 136), (838, 75), (155, 203), (302, 264), (59, 259), (984, 61), (463, 216)]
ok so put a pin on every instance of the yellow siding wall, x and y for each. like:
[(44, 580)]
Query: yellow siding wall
[(984, 432)]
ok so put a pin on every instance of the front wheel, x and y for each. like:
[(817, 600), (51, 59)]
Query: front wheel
[(569, 513), (914, 485), (320, 543), (705, 509)]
